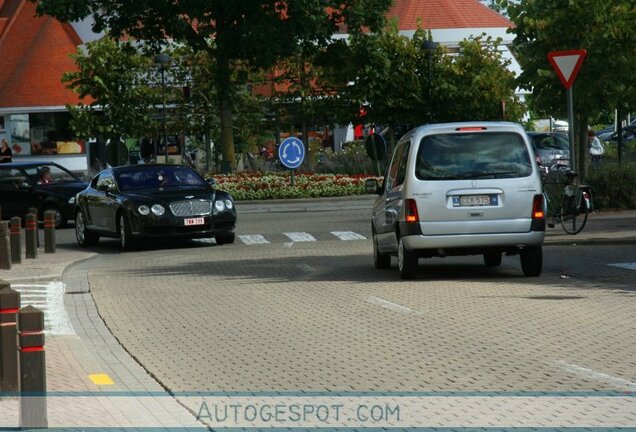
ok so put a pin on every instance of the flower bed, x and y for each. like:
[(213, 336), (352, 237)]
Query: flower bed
[(261, 186)]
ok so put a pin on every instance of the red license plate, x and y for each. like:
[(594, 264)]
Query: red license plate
[(193, 221)]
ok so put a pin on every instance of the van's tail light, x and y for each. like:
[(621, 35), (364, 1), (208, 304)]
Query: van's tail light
[(538, 212), (411, 211)]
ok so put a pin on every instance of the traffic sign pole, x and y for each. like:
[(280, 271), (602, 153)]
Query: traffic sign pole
[(570, 97), (291, 153), (566, 64)]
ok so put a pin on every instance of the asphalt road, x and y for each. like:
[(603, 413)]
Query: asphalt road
[(316, 315)]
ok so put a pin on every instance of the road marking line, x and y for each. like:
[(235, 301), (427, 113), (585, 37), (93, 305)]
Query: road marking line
[(51, 301), (253, 239), (300, 237), (619, 383), (391, 306), (348, 235), (101, 379), (628, 266)]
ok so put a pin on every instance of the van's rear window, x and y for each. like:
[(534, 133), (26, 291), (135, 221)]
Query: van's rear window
[(480, 155)]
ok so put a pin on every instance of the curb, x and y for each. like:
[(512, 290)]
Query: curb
[(591, 241), (303, 205), (51, 276)]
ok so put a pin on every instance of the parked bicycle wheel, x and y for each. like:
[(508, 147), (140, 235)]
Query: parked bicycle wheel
[(574, 209)]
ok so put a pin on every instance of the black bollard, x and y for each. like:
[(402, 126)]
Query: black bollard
[(32, 368), (9, 305), (31, 228), (5, 246), (34, 210), (49, 231), (16, 239)]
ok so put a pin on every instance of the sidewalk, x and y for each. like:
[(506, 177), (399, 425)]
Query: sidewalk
[(91, 380), (87, 359)]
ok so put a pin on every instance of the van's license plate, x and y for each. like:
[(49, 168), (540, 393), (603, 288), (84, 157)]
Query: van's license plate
[(471, 200), (194, 221)]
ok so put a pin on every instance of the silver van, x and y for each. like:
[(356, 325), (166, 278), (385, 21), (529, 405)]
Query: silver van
[(460, 189)]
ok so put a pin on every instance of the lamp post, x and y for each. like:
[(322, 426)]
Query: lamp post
[(163, 60), (429, 48)]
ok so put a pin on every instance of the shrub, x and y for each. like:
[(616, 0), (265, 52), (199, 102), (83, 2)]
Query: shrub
[(614, 187), (274, 185), (351, 159)]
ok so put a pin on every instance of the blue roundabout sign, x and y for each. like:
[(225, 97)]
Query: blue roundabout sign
[(291, 152)]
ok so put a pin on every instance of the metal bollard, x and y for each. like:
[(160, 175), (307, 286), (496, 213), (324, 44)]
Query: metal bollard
[(16, 239), (9, 305), (31, 228), (32, 368), (49, 231), (34, 210), (5, 246)]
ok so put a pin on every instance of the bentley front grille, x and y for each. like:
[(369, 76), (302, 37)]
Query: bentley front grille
[(191, 208)]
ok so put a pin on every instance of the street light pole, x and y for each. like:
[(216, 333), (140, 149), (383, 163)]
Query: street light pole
[(163, 60)]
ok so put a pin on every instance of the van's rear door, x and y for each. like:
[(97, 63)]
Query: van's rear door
[(474, 180)]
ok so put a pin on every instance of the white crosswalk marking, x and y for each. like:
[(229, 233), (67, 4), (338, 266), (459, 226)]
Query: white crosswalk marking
[(348, 235), (49, 298), (253, 239), (628, 266), (300, 237)]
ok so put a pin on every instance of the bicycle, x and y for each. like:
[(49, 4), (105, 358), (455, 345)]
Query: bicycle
[(575, 200)]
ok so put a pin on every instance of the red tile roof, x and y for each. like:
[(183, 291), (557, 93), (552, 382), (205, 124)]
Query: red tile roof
[(35, 53), (445, 14)]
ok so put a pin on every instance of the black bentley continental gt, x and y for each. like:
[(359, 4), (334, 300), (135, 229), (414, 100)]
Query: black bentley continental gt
[(153, 201)]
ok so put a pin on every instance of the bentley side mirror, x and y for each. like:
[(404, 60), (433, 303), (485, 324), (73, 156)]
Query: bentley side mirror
[(371, 186), (211, 182)]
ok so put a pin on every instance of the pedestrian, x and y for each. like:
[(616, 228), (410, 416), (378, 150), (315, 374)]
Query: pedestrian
[(5, 152), (596, 149)]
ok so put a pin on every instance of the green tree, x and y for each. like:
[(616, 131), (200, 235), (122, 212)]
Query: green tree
[(475, 84), (246, 34), (195, 112), (605, 81), (111, 79), (385, 75), (402, 83)]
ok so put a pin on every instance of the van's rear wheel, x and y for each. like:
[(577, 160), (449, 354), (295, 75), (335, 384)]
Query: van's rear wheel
[(407, 261), (532, 260), (380, 260), (492, 259)]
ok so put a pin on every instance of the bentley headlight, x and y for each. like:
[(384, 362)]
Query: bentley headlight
[(71, 200), (219, 206), (229, 204), (158, 209), (143, 210)]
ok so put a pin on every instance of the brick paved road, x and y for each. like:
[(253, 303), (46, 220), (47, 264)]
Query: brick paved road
[(317, 316)]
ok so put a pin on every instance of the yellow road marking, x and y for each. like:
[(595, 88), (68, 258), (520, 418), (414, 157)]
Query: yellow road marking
[(101, 379)]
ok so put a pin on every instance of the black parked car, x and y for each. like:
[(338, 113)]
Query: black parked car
[(42, 185), (160, 201)]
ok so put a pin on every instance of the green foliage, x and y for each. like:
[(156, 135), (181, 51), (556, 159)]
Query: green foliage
[(605, 81), (473, 84), (113, 75), (257, 186), (247, 35), (611, 150), (614, 187), (352, 159), (404, 84)]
